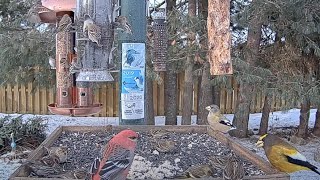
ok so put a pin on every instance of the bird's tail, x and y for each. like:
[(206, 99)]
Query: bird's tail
[(314, 169), (303, 163)]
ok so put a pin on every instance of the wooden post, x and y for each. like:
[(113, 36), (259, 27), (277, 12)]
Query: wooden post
[(219, 37)]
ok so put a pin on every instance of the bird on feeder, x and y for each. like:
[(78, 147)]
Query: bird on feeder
[(233, 169), (65, 24), (121, 22), (13, 145), (93, 30), (52, 63), (33, 13), (283, 156), (217, 121)]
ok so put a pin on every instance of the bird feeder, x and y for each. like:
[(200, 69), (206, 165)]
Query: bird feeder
[(71, 98), (160, 40)]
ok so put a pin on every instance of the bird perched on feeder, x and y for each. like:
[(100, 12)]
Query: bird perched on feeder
[(117, 157), (33, 13), (233, 169), (121, 22), (60, 152), (284, 156), (13, 145), (65, 24), (50, 160), (216, 120), (52, 63), (197, 171), (41, 170), (73, 174), (93, 30), (218, 162)]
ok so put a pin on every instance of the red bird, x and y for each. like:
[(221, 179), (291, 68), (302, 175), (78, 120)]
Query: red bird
[(117, 157)]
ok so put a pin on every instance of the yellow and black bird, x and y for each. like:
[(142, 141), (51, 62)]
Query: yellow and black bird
[(284, 156), (218, 121)]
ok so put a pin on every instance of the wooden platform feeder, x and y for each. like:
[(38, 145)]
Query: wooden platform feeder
[(22, 172)]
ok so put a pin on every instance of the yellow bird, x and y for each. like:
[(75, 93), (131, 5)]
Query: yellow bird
[(284, 156), (216, 120)]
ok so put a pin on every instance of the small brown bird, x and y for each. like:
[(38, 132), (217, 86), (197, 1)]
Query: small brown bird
[(122, 23), (283, 156), (197, 171), (94, 31), (50, 160), (41, 170), (158, 133), (74, 174), (216, 120), (234, 169), (165, 145), (60, 152), (65, 24), (33, 13), (218, 162)]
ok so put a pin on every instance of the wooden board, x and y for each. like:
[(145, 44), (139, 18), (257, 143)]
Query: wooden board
[(22, 172)]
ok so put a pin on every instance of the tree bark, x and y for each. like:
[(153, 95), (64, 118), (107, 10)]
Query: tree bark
[(264, 124), (316, 129), (149, 102), (170, 84), (304, 118), (205, 90), (188, 79), (205, 95)]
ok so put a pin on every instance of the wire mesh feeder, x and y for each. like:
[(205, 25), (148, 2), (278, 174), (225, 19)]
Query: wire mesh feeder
[(160, 40)]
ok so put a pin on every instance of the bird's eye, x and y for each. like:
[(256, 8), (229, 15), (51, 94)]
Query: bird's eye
[(133, 138)]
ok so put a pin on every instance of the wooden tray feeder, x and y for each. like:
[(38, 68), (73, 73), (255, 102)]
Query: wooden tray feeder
[(22, 172)]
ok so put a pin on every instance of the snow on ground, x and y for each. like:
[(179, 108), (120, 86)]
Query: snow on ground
[(276, 119)]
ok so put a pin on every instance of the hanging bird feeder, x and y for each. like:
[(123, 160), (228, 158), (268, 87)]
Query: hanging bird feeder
[(75, 99), (160, 40)]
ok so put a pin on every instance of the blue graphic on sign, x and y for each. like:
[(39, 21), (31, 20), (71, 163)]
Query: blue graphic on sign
[(132, 81)]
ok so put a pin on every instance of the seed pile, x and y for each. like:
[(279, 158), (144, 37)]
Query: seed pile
[(158, 155)]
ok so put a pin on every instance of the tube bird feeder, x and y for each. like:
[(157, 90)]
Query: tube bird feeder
[(74, 99)]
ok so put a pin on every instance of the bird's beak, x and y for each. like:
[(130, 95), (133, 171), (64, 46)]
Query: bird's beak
[(208, 108), (259, 143)]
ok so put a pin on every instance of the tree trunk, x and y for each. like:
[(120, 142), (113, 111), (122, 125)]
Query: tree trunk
[(241, 116), (205, 95), (264, 124), (170, 88), (316, 129), (304, 118), (188, 80), (149, 102), (170, 83)]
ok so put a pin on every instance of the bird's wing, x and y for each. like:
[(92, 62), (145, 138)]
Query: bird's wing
[(295, 157), (95, 166), (225, 121), (290, 152), (115, 164)]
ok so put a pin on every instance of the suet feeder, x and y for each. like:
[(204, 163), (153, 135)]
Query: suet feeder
[(75, 99), (160, 40)]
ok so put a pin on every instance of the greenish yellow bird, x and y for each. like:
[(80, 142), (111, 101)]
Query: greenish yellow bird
[(218, 121), (283, 156)]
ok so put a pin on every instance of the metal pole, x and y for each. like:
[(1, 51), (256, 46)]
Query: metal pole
[(132, 50)]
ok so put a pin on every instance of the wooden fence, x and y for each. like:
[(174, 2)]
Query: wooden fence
[(20, 99)]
